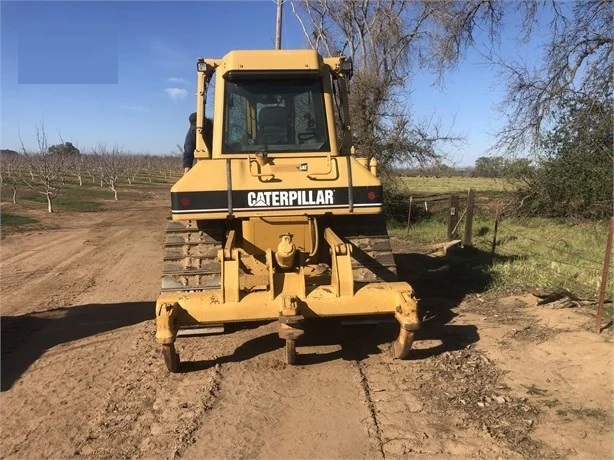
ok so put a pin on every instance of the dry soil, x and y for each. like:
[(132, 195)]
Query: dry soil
[(82, 377)]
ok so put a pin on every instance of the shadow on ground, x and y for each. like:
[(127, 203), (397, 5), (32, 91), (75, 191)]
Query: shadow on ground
[(26, 337), (440, 283)]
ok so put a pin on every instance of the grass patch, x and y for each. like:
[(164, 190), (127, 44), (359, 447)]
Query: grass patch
[(87, 192), (79, 205), (128, 192), (540, 253), (13, 220), (434, 185), (158, 180), (549, 254), (67, 203), (427, 231), (88, 198)]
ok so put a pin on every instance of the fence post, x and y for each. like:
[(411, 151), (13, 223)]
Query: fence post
[(467, 237), (604, 275), (411, 198), (494, 237), (453, 217)]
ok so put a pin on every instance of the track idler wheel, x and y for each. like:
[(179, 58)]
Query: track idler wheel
[(171, 358), (402, 345)]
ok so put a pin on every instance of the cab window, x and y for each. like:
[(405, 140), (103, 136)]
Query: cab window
[(276, 116)]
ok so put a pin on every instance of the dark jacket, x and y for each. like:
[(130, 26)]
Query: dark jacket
[(189, 146)]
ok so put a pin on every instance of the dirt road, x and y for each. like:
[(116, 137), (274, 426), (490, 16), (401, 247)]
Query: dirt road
[(82, 376)]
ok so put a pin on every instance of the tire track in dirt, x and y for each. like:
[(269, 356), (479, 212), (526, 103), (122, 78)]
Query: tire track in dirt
[(148, 412), (62, 272), (408, 423), (60, 372), (415, 408), (45, 410), (364, 382), (34, 269), (25, 256), (267, 409)]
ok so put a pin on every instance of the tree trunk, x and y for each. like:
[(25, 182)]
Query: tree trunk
[(14, 194), (49, 203), (112, 185), (80, 180)]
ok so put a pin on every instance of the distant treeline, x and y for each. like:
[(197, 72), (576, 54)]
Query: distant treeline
[(494, 167)]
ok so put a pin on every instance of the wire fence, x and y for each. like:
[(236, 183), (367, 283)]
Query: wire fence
[(553, 257)]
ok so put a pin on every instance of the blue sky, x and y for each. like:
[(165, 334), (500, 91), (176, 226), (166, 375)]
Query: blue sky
[(123, 73)]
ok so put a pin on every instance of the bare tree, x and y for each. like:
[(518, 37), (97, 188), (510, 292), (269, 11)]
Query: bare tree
[(10, 174), (391, 38), (130, 167), (386, 40), (78, 166), (577, 63), (149, 166), (577, 60), (47, 172), (111, 167)]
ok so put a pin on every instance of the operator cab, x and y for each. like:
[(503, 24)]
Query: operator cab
[(265, 113)]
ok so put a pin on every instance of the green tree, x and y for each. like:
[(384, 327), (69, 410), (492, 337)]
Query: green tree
[(489, 166), (499, 166), (519, 168), (65, 149), (574, 176)]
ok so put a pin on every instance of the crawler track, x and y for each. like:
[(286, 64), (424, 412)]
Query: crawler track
[(191, 264), (190, 257), (373, 259)]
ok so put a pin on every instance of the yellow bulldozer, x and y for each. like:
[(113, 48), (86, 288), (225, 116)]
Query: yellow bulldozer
[(279, 219)]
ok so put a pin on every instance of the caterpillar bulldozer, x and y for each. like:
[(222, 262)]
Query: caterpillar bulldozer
[(279, 219)]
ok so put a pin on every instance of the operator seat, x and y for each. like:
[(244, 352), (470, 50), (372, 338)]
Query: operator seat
[(273, 125)]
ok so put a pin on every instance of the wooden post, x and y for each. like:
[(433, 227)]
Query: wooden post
[(467, 237), (411, 198), (453, 217), (494, 238), (604, 275)]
